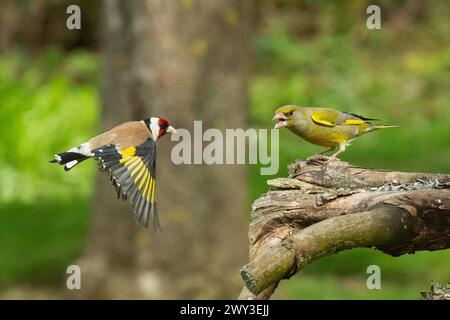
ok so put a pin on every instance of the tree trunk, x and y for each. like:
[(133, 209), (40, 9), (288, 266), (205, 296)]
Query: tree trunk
[(184, 61), (325, 208)]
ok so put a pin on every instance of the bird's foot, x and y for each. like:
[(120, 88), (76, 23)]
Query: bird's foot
[(317, 158), (329, 160)]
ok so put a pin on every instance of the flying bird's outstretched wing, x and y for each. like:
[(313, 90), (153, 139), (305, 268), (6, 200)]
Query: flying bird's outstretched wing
[(133, 174)]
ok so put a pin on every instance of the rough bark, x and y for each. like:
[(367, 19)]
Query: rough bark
[(184, 61), (437, 292), (322, 209)]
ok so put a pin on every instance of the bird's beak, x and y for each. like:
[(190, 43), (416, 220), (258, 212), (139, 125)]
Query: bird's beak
[(281, 120), (171, 129)]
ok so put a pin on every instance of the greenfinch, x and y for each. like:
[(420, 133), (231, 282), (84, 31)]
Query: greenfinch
[(324, 126)]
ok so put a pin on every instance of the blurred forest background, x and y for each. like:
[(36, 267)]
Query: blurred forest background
[(310, 53)]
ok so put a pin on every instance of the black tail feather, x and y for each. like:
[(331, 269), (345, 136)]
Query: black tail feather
[(66, 157), (362, 117)]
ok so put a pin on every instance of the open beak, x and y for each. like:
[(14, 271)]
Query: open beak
[(281, 120), (171, 129)]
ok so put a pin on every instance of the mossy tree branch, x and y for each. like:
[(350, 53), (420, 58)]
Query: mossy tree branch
[(322, 209)]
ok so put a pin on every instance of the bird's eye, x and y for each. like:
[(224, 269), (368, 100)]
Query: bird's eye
[(289, 113)]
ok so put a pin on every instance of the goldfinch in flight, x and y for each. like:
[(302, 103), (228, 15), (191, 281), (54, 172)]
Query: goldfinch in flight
[(324, 126), (128, 153)]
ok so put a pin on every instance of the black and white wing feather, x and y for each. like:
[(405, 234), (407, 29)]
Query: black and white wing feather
[(133, 174)]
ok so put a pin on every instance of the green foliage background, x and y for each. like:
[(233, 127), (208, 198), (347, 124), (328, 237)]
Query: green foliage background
[(49, 102)]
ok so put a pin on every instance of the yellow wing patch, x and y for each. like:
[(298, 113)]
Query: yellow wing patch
[(131, 151), (137, 168), (331, 120), (354, 121), (144, 172), (142, 175), (147, 188), (133, 172), (318, 118), (153, 191)]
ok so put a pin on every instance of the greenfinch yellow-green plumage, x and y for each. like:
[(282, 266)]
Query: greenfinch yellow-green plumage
[(324, 126)]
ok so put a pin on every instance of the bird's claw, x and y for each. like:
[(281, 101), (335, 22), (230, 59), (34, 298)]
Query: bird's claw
[(329, 160), (321, 159), (318, 158)]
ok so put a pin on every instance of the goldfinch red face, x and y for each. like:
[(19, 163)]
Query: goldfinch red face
[(159, 127)]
